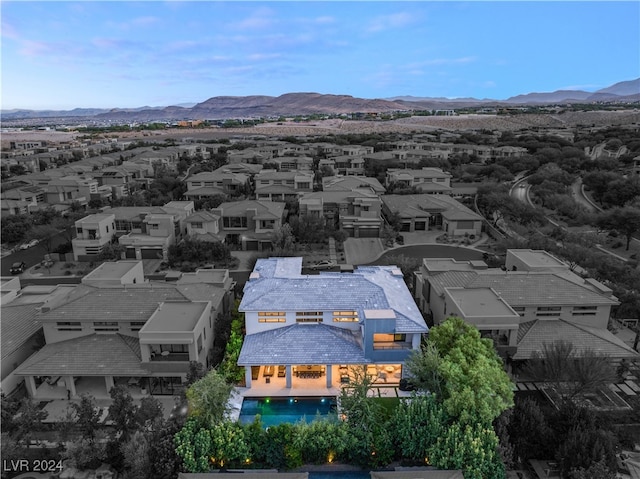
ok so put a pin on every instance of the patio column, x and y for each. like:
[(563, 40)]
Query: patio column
[(329, 370), (71, 386), (30, 383), (108, 380), (247, 376), (288, 376)]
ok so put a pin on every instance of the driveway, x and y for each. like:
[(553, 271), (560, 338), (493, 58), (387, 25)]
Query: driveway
[(362, 250)]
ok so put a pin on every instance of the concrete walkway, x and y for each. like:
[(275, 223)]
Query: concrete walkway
[(332, 250), (362, 250)]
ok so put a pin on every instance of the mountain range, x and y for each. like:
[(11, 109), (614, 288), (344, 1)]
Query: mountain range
[(223, 107)]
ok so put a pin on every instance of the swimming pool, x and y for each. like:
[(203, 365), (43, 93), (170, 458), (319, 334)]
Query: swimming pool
[(275, 411)]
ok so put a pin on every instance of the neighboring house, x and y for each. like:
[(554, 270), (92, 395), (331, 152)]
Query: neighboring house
[(93, 232), (14, 207), (21, 334), (426, 212), (249, 224), (428, 180), (26, 197), (141, 336), (317, 326), (348, 165), (211, 183), (117, 178), (204, 226), (536, 300), (352, 183), (63, 196), (357, 213), (293, 163), (283, 185), (161, 231)]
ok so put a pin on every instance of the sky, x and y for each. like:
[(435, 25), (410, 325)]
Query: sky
[(119, 54)]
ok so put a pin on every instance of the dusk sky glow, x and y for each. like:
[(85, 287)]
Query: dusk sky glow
[(62, 55)]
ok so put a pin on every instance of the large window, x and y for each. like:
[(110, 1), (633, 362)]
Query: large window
[(309, 317), (390, 341), (549, 311), (136, 325), (105, 326), (584, 311), (234, 221), (272, 317), (69, 326), (345, 316)]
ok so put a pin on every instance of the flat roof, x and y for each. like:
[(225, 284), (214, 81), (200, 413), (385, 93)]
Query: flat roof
[(178, 316), (480, 302), (537, 258), (112, 270)]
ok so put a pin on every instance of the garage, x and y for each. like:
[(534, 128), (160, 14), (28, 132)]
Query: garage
[(151, 253), (368, 232), (130, 253), (421, 225)]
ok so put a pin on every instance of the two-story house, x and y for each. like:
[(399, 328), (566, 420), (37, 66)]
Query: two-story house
[(204, 226), (357, 213), (312, 328), (283, 185), (250, 224), (211, 183), (115, 328), (537, 299), (117, 178), (93, 232), (428, 180)]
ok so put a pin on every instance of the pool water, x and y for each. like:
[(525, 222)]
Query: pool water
[(275, 411)]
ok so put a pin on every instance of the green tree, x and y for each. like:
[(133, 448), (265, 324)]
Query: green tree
[(321, 441), (418, 422), (476, 388), (208, 397), (472, 448), (14, 228), (137, 460), (625, 221), (283, 241), (228, 444), (149, 411), (122, 411), (88, 415), (166, 463), (84, 453), (572, 372), (44, 234), (28, 420), (530, 432), (423, 367), (193, 446), (583, 447)]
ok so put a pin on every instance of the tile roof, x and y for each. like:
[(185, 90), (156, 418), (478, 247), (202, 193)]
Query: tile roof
[(265, 208), (124, 304), (536, 333), (281, 287), (303, 344), (522, 288), (92, 355), (18, 323)]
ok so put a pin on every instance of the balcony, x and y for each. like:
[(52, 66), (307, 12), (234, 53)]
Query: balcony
[(169, 356)]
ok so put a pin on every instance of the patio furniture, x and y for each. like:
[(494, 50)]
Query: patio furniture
[(268, 371), (164, 353), (282, 372)]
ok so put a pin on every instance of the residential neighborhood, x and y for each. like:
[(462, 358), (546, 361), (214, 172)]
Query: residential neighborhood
[(257, 283)]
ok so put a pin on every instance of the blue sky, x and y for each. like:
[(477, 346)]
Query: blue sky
[(62, 55)]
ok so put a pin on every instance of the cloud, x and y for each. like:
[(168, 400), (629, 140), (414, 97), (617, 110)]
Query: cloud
[(139, 22), (489, 84), (387, 22), (9, 32), (442, 61), (263, 56), (260, 19)]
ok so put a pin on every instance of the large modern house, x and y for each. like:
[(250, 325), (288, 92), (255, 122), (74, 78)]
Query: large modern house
[(305, 328), (118, 328), (536, 299)]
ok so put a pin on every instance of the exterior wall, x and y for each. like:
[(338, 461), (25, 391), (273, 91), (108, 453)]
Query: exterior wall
[(211, 227), (252, 325), (13, 360), (92, 233), (453, 228), (596, 318)]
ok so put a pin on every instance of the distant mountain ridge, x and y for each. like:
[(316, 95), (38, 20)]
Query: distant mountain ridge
[(222, 107)]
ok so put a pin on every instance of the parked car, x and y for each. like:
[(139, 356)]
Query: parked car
[(324, 264), (29, 244), (18, 267)]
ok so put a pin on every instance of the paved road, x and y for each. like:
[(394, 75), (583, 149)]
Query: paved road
[(31, 256), (576, 192)]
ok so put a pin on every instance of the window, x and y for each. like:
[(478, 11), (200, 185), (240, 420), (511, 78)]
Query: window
[(154, 226), (197, 225), (272, 317), (199, 344), (390, 341), (105, 326), (584, 311), (196, 183), (69, 326), (79, 230), (549, 311), (208, 183), (234, 221), (304, 186), (136, 325), (309, 317), (345, 316), (519, 309)]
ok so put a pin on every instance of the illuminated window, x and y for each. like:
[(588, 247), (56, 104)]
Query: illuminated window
[(345, 316), (272, 317), (309, 317)]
